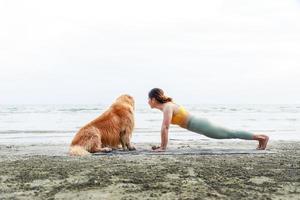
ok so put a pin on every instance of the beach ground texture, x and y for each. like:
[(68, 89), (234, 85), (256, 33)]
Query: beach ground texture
[(47, 172)]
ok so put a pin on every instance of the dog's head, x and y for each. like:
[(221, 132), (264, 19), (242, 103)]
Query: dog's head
[(125, 98)]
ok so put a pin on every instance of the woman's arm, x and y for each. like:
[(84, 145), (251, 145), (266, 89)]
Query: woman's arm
[(168, 113)]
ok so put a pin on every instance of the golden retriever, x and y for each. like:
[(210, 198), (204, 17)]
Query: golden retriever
[(109, 131)]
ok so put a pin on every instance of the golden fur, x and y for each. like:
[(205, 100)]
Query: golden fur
[(110, 130)]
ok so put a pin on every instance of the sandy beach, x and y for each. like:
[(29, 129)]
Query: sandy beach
[(47, 172), (210, 78)]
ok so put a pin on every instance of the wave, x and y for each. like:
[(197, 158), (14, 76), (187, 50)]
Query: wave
[(79, 109), (292, 119), (272, 130), (136, 130), (33, 137), (35, 131)]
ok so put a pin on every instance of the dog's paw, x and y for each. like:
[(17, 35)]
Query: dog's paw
[(132, 148), (106, 150)]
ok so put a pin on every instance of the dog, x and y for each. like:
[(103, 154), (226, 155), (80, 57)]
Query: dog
[(111, 130)]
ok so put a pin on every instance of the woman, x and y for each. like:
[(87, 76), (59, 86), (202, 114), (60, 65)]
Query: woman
[(175, 114)]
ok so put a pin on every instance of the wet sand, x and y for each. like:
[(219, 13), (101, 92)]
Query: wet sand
[(47, 172)]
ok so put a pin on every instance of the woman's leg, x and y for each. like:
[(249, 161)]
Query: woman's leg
[(203, 126)]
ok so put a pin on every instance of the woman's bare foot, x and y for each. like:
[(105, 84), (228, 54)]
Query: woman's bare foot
[(262, 141)]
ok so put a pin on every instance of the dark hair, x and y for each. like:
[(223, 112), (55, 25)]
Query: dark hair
[(159, 95)]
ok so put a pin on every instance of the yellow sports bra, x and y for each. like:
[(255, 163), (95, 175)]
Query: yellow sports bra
[(180, 117)]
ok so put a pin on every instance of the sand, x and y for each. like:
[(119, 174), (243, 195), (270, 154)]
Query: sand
[(47, 172)]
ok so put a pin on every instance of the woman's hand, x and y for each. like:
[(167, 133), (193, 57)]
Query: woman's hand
[(155, 147), (158, 149)]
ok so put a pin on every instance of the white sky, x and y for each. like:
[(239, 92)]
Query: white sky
[(231, 51)]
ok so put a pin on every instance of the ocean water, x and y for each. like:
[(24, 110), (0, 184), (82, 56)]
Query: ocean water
[(54, 124)]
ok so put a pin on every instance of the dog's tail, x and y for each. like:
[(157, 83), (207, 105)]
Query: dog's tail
[(78, 151)]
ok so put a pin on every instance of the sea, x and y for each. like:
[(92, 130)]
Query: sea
[(57, 124)]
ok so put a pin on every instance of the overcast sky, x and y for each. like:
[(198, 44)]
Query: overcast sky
[(224, 52)]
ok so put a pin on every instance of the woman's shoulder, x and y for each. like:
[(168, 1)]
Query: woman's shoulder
[(175, 107), (169, 106)]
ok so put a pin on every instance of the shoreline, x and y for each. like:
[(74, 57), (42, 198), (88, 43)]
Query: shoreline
[(47, 172)]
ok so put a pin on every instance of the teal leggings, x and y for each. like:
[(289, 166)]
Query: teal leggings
[(204, 127)]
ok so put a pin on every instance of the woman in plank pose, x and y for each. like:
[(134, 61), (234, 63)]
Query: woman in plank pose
[(176, 114)]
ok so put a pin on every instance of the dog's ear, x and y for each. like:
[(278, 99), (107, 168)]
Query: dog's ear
[(131, 109), (131, 100)]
